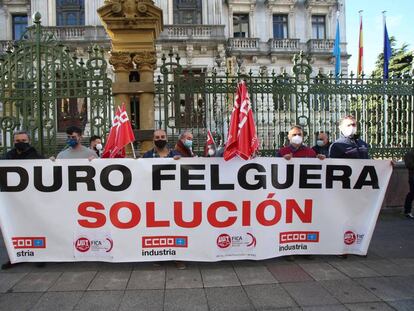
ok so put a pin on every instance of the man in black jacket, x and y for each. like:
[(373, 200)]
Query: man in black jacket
[(22, 149), (409, 164), (348, 146)]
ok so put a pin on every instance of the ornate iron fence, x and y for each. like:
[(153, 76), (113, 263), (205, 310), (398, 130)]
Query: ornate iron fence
[(44, 89), (190, 99)]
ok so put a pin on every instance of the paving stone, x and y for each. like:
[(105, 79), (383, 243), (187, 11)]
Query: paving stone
[(100, 301), (73, 281), (228, 299), (18, 301), (36, 282), (185, 300), (325, 308), (385, 267), (354, 269), (387, 288), (110, 280), (369, 306), (8, 280), (406, 263), (219, 277), (249, 275), (348, 291), (288, 272), (142, 300), (322, 271), (188, 278), (403, 305), (61, 301), (268, 296), (309, 294), (147, 279)]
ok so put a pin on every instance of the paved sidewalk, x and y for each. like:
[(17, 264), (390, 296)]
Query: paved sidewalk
[(382, 281)]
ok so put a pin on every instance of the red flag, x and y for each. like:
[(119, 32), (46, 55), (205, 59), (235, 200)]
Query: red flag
[(360, 51), (210, 144), (121, 134), (242, 139)]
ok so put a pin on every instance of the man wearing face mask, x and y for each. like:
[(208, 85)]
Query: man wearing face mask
[(296, 148), (160, 149), (348, 146), (184, 145), (95, 144), (74, 148), (322, 144), (22, 149)]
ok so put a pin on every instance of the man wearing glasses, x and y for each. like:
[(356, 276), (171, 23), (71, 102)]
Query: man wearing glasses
[(74, 149), (296, 148), (348, 146)]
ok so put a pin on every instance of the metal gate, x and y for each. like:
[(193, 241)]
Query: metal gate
[(201, 101), (43, 89)]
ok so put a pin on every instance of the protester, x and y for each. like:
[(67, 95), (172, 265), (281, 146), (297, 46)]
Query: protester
[(296, 148), (95, 144), (409, 164), (75, 150), (348, 146), (322, 144), (161, 149), (184, 144), (22, 149)]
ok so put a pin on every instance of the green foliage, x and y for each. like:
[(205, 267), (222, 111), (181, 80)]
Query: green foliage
[(400, 63)]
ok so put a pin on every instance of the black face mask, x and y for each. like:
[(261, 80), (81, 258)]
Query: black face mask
[(160, 143), (21, 146)]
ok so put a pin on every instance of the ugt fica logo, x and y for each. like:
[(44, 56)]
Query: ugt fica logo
[(225, 241), (83, 245), (350, 237)]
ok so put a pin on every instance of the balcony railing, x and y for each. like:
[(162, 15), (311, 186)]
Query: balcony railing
[(320, 45), (284, 45), (192, 32), (78, 33), (244, 44)]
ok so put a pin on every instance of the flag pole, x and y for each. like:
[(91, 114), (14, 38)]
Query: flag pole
[(385, 104), (133, 150), (360, 68)]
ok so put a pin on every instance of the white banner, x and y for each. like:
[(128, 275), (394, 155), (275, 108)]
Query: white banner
[(198, 209)]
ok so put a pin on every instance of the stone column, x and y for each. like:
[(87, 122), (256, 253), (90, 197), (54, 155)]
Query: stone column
[(145, 62), (122, 64)]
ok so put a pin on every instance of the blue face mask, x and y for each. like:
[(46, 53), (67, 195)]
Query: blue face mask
[(188, 143), (72, 142)]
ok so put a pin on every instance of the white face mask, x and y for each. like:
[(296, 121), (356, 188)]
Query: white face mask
[(211, 152), (320, 143), (348, 131), (297, 140), (98, 146)]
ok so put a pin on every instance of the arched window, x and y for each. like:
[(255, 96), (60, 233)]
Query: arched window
[(70, 12), (187, 12)]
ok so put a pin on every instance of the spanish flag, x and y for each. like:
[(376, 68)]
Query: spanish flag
[(360, 50)]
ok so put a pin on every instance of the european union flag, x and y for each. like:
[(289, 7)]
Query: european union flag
[(312, 237), (337, 50), (387, 52)]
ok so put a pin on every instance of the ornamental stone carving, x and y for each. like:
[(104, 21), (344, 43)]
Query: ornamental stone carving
[(121, 61), (145, 59)]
